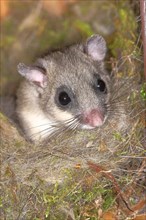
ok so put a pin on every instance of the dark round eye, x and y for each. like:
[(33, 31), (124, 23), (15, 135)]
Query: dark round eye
[(64, 98), (101, 85)]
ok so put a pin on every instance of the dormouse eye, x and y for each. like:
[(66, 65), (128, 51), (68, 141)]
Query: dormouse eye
[(100, 85), (64, 98)]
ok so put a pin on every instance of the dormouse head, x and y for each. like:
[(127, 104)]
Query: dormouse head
[(73, 85)]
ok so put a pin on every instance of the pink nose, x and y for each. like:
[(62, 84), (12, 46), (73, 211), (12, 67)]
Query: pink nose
[(93, 118)]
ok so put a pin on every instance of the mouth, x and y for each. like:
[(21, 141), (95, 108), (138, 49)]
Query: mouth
[(86, 127)]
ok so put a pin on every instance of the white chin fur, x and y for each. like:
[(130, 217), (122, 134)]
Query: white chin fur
[(87, 127)]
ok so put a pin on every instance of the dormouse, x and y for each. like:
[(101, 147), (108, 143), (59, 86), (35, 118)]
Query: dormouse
[(65, 89)]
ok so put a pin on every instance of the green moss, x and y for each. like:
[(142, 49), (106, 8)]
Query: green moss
[(83, 27), (109, 199), (143, 92), (118, 136), (77, 195), (123, 40)]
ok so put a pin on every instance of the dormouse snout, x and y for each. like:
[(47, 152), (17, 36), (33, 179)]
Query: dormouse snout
[(93, 118)]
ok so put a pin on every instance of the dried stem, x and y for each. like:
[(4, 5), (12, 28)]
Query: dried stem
[(143, 23)]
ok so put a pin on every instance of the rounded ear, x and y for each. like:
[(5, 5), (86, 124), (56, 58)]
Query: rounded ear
[(33, 74), (96, 48)]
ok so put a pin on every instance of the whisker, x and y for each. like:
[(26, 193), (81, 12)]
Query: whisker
[(52, 125), (41, 132), (59, 128), (42, 125)]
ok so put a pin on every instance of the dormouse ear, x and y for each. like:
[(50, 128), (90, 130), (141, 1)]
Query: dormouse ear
[(96, 47), (33, 74)]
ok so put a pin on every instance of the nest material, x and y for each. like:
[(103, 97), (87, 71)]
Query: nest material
[(109, 145)]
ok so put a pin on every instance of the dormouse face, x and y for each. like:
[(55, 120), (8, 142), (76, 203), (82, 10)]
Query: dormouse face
[(81, 90), (75, 88)]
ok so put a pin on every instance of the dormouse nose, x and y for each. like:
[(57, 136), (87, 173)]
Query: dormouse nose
[(93, 118)]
